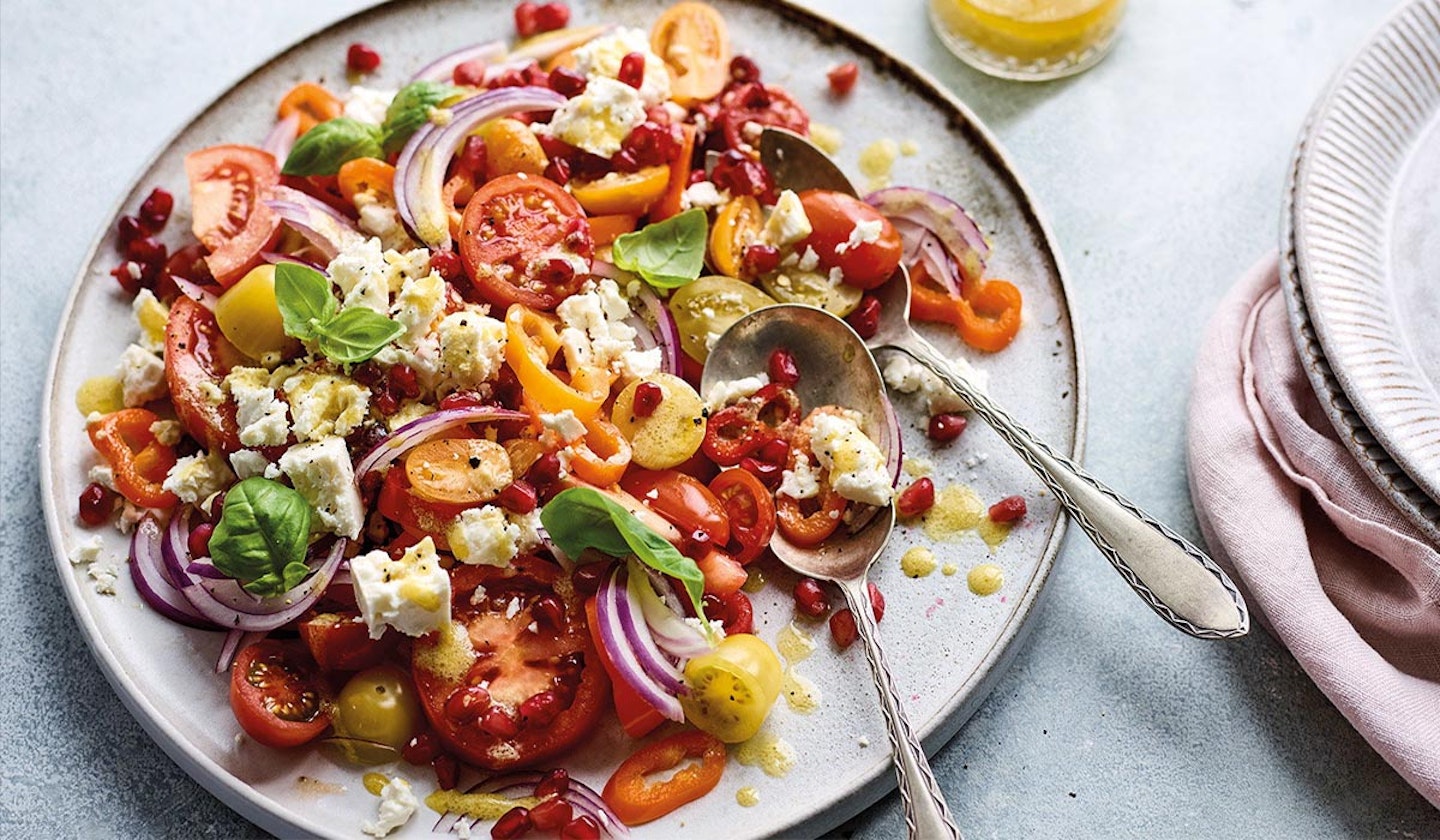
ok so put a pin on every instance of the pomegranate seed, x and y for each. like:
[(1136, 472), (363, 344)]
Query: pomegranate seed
[(199, 541), (744, 70), (916, 499), (1008, 509), (588, 576), (155, 209), (496, 722), (362, 58), (843, 629), (516, 821), (545, 471), (469, 73), (402, 378), (147, 250), (632, 70), (696, 176), (96, 503), (782, 367), (648, 397), (552, 16), (582, 827), (558, 170), (462, 399), (519, 497), (759, 259), (127, 230), (534, 76), (769, 474), (946, 427), (554, 783), (526, 23), (877, 600), (775, 452), (130, 277), (810, 598), (540, 710), (422, 749), (842, 78), (447, 771), (552, 814), (448, 265), (651, 143), (386, 403), (567, 82), (557, 273), (548, 612), (467, 703), (472, 156), (865, 320)]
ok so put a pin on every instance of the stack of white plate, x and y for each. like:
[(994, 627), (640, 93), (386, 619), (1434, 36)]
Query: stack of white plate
[(1360, 257)]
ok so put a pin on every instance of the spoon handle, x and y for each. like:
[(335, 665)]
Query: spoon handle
[(926, 814), (1177, 580)]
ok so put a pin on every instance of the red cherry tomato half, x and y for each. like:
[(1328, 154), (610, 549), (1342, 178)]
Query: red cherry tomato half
[(734, 611), (806, 523), (683, 501), (517, 234), (276, 694), (341, 642), (833, 217), (723, 573), (751, 510), (228, 185), (418, 516)]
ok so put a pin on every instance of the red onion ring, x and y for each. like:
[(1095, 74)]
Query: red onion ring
[(322, 225), (147, 570), (672, 633), (660, 324), (442, 69), (652, 676), (282, 137), (235, 641), (418, 431), (957, 230), (274, 258)]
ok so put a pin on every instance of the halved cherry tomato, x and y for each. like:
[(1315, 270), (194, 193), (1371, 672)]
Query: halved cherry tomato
[(341, 642), (723, 573), (512, 148), (669, 203), (419, 517), (458, 471), (761, 104), (605, 229), (513, 228), (532, 343), (692, 40), (545, 688), (732, 688), (736, 227), (313, 103), (808, 529), (684, 502), (228, 185), (751, 511), (637, 717), (600, 457), (833, 217), (197, 359), (367, 175), (636, 799), (277, 697), (623, 192), (734, 612), (139, 461)]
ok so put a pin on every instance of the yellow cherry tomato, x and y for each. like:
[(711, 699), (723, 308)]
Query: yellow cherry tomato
[(692, 40), (629, 193), (737, 226), (512, 148), (708, 306), (458, 471), (732, 688), (250, 318), (673, 430), (377, 709)]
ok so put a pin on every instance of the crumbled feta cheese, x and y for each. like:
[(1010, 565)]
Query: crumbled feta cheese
[(397, 804), (211, 393), (484, 537), (367, 274), (196, 477), (564, 424), (260, 414), (472, 349), (104, 575), (638, 364), (800, 482), (408, 411), (864, 233), (725, 392), (420, 303), (411, 594), (857, 466), (87, 552), (247, 463), (368, 105), (600, 118), (142, 376), (423, 358), (527, 526), (788, 223), (595, 332), (809, 260), (102, 475), (599, 60), (381, 219), (325, 404), (704, 195), (167, 432), (322, 473), (909, 377), (151, 315)]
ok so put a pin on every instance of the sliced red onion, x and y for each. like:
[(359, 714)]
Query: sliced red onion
[(957, 231), (147, 570), (420, 169), (204, 568), (892, 443), (920, 244), (442, 69), (322, 225), (418, 431), (585, 799), (235, 641), (659, 325), (542, 48), (672, 633), (203, 295), (282, 137), (632, 649), (274, 258), (229, 593)]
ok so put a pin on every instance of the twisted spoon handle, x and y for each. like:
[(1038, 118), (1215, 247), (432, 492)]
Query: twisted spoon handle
[(1176, 579), (926, 814)]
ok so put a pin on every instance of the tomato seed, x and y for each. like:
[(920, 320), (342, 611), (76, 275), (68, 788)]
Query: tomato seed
[(96, 503), (916, 499), (552, 814), (554, 783), (467, 703), (782, 367), (496, 722), (551, 16), (632, 70), (582, 827), (199, 541), (810, 598), (362, 58), (526, 22), (743, 69), (516, 821), (865, 320), (843, 629), (946, 427), (567, 82), (842, 78), (448, 265), (155, 209), (648, 397), (1008, 509)]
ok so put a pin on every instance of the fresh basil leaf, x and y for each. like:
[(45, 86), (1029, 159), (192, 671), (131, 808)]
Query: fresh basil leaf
[(666, 254), (262, 536), (410, 109), (356, 334), (303, 295), (581, 518), (322, 149)]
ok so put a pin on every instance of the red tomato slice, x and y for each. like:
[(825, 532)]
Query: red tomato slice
[(761, 104), (750, 508), (418, 516), (228, 185), (517, 232), (545, 690), (683, 501), (833, 216), (277, 697), (637, 717), (341, 642), (197, 358)]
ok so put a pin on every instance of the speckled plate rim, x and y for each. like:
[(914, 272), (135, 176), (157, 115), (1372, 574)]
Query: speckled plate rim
[(934, 733), (1353, 426)]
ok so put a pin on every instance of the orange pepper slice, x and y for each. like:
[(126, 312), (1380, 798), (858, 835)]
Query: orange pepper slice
[(532, 343), (139, 461), (669, 203), (605, 229), (600, 458), (986, 314), (312, 102), (635, 799), (367, 175)]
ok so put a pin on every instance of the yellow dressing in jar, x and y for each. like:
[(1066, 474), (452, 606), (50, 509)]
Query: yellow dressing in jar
[(1030, 40)]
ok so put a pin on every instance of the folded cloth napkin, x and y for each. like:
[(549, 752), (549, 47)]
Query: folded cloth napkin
[(1336, 573)]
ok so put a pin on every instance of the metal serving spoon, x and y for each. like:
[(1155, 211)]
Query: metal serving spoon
[(1176, 579), (836, 369)]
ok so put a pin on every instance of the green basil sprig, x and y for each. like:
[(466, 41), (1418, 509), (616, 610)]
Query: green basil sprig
[(262, 536), (322, 149), (581, 518), (667, 254), (308, 312), (410, 109)]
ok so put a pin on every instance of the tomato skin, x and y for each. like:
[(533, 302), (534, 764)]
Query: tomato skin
[(341, 642), (419, 517), (751, 510), (511, 221), (685, 502), (636, 800), (809, 530), (733, 611), (276, 696), (513, 664), (197, 358), (228, 185), (833, 217), (637, 717)]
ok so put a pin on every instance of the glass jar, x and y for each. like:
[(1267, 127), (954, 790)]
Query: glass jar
[(1029, 40)]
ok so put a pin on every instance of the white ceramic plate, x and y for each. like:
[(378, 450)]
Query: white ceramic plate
[(946, 646), (1364, 227)]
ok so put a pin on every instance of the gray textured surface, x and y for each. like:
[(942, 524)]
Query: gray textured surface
[(1161, 172)]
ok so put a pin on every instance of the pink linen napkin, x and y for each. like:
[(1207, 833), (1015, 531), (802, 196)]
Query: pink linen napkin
[(1338, 575)]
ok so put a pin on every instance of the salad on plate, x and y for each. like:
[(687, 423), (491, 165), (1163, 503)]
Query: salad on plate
[(411, 422)]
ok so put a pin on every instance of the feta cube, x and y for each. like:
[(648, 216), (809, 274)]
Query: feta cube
[(484, 537), (788, 223), (152, 316), (600, 118), (419, 305), (472, 349), (195, 478), (325, 404), (727, 391), (564, 424), (260, 414), (322, 473), (595, 330), (411, 594), (142, 376), (704, 195), (247, 463), (167, 432), (800, 482), (857, 467)]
